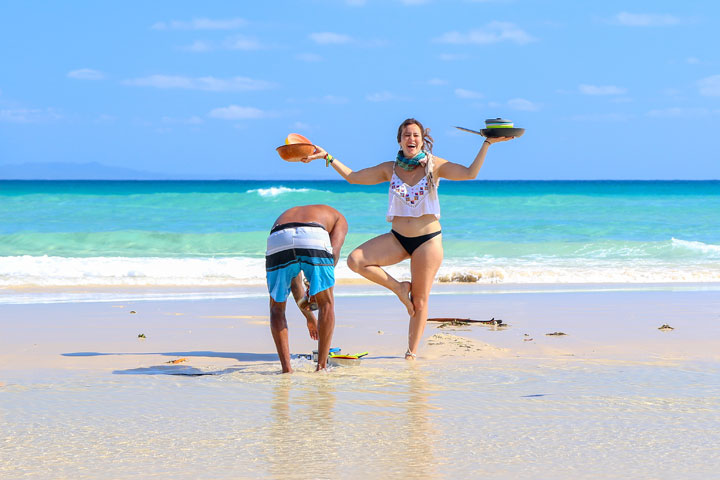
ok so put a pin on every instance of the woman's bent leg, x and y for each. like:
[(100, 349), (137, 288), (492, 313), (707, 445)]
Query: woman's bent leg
[(368, 258), (424, 264)]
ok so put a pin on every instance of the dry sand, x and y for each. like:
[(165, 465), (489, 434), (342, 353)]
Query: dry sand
[(595, 325)]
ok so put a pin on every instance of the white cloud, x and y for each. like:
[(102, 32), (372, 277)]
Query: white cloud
[(235, 112), (309, 57), (380, 97), (693, 60), (240, 42), (602, 117), (673, 92), (523, 105), (300, 126), (710, 86), (105, 118), (193, 120), (645, 20), (356, 3), (199, 46), (329, 38), (211, 84), (601, 90), (331, 99), (493, 32), (326, 99), (86, 74), (680, 112), (236, 42), (468, 94), (28, 115), (437, 82), (414, 2), (201, 24), (452, 57)]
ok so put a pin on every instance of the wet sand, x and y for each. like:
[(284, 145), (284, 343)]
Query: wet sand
[(83, 396)]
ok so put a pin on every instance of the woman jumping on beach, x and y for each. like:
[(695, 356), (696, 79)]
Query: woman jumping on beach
[(414, 210)]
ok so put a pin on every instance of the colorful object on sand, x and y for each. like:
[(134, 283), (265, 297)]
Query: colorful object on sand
[(296, 148), (345, 360), (340, 355), (179, 360), (331, 352)]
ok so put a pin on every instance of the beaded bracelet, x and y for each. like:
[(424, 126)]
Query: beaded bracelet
[(328, 159)]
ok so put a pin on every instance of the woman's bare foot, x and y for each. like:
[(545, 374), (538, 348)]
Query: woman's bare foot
[(410, 356), (404, 296), (312, 326)]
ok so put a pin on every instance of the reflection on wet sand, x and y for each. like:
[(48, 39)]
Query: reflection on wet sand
[(302, 430), (339, 425), (415, 457)]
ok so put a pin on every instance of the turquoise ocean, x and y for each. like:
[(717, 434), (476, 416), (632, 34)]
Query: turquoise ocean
[(212, 233)]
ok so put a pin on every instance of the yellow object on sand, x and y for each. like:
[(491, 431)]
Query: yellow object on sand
[(179, 360), (340, 355)]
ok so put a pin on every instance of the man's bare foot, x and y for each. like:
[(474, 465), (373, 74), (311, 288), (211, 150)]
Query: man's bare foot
[(404, 296), (312, 327)]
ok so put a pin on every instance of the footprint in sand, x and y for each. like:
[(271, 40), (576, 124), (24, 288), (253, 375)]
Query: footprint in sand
[(445, 344)]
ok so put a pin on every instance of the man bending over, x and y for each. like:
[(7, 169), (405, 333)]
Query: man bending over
[(308, 239)]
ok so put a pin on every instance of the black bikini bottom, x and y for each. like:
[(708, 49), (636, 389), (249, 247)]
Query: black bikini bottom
[(410, 244)]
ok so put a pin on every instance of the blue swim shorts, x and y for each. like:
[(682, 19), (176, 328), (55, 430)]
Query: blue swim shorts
[(292, 247)]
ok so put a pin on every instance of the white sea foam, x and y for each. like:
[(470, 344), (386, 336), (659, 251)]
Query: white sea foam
[(713, 250), (48, 271), (551, 271), (61, 271), (275, 191)]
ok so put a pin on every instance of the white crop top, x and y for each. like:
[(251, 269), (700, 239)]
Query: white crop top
[(411, 200)]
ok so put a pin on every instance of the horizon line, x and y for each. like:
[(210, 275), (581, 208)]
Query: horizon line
[(342, 180)]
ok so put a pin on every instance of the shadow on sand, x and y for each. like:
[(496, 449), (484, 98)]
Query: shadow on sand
[(186, 370)]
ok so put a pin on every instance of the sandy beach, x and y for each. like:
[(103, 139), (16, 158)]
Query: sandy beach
[(88, 389)]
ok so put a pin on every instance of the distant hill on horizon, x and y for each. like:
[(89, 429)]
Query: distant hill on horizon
[(98, 171), (85, 171), (73, 171)]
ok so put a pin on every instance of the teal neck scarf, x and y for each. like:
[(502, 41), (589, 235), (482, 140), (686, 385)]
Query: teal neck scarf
[(410, 163)]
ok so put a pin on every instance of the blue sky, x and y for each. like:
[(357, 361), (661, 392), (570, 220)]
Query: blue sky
[(606, 90)]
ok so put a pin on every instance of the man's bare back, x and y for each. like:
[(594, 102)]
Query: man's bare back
[(332, 221), (322, 214)]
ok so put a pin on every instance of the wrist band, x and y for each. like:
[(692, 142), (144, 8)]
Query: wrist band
[(328, 159), (487, 142)]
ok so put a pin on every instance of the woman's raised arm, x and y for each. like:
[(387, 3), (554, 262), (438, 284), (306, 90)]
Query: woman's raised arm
[(455, 171), (367, 176)]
